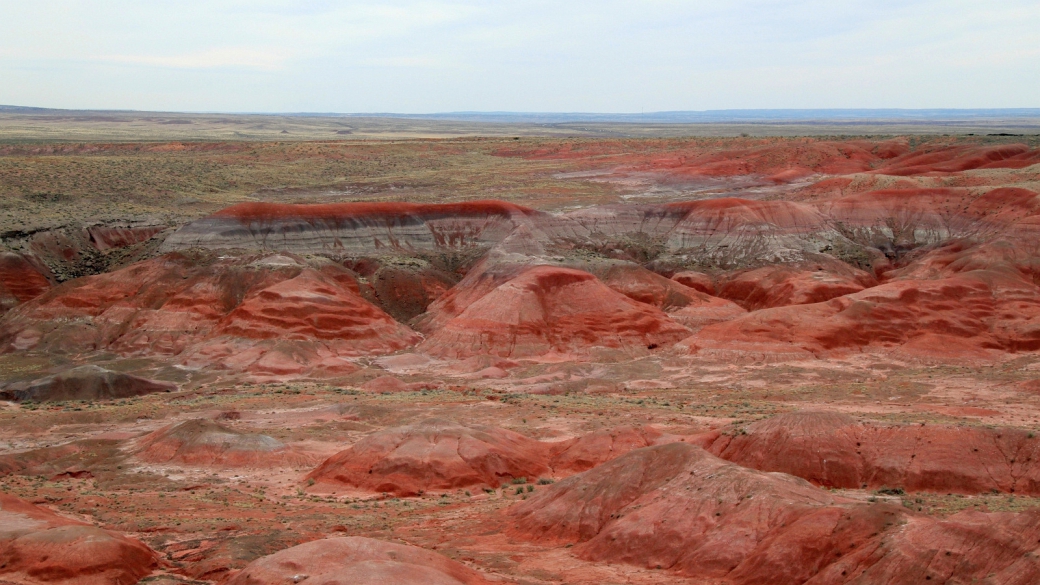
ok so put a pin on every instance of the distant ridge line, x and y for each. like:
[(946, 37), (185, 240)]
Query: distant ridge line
[(846, 115)]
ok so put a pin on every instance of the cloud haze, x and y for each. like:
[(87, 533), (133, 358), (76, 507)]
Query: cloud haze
[(524, 55)]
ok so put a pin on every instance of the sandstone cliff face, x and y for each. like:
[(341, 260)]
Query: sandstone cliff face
[(354, 229)]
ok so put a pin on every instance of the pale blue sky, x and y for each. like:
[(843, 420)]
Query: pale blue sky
[(522, 55)]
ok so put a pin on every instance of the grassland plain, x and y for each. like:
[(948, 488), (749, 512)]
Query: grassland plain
[(45, 185)]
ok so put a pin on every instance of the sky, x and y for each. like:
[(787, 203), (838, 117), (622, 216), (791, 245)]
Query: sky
[(519, 55)]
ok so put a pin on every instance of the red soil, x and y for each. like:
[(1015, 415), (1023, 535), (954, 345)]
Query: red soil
[(275, 314), (309, 306), (204, 442), (644, 286), (20, 281), (67, 460), (109, 238), (782, 285), (390, 384), (588, 451), (965, 316), (405, 292), (356, 561), (478, 282), (835, 450), (675, 507), (548, 309), (38, 546), (695, 280), (730, 213), (435, 454), (792, 158), (955, 159)]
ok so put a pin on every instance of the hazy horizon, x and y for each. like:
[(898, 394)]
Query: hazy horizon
[(451, 56)]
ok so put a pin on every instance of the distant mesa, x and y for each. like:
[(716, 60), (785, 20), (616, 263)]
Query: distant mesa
[(356, 560), (88, 382)]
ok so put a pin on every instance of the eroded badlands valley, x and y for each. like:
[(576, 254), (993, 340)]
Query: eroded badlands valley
[(531, 361)]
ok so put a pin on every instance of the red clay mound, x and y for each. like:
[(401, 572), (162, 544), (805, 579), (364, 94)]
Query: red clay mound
[(548, 309), (38, 546), (276, 314), (691, 308), (835, 450), (204, 442), (107, 238), (84, 383), (434, 454), (644, 286), (956, 159), (970, 547), (779, 286), (390, 384), (73, 459), (731, 157), (696, 280), (405, 292), (478, 282), (964, 317), (20, 281), (586, 452), (309, 306), (676, 507), (354, 560)]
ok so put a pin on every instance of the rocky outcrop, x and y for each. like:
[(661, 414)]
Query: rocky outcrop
[(354, 229)]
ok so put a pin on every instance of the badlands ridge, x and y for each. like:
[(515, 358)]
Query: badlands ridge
[(438, 340)]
